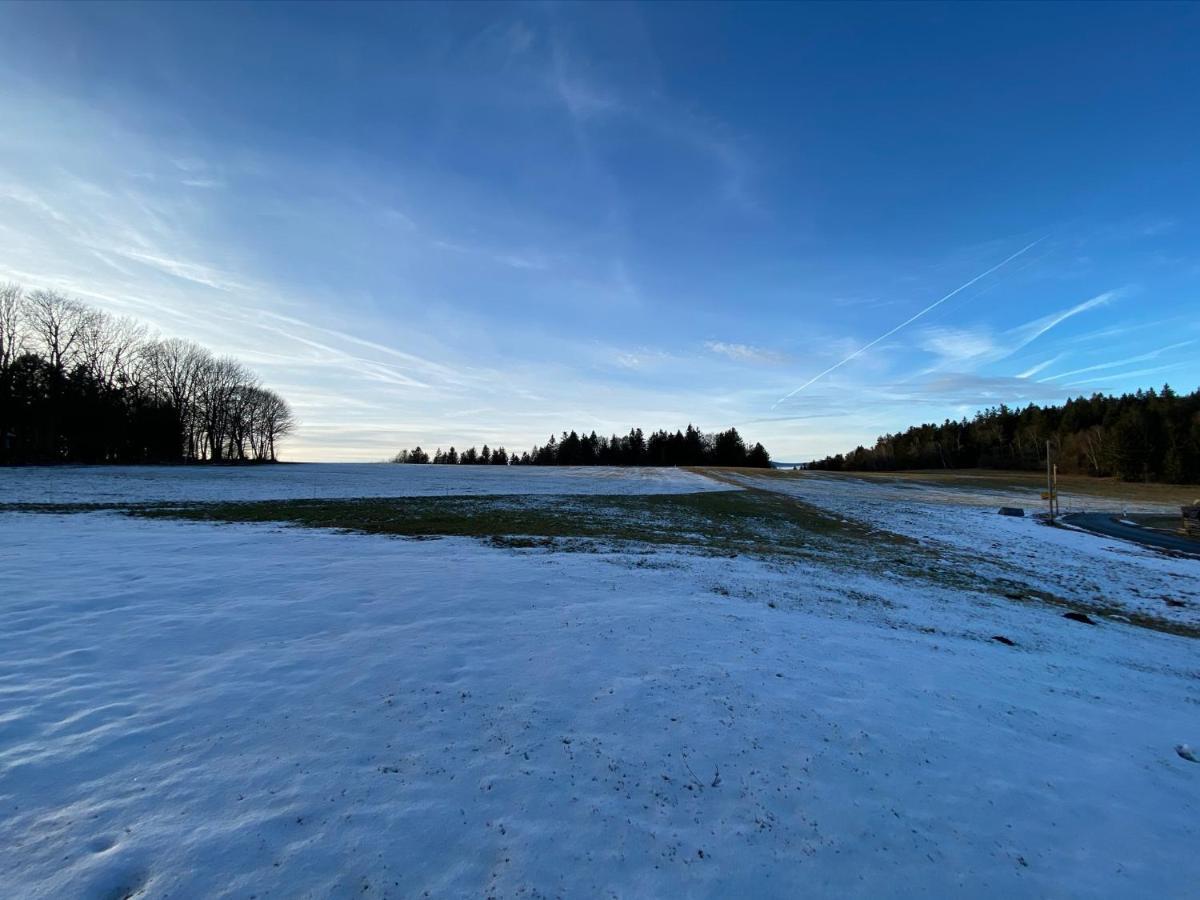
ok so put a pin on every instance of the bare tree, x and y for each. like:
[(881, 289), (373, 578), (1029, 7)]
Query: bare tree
[(58, 323), (220, 409), (12, 323), (244, 405), (110, 346), (1097, 450), (175, 367), (220, 378), (276, 422)]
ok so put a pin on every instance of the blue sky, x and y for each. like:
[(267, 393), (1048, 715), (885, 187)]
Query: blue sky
[(464, 223)]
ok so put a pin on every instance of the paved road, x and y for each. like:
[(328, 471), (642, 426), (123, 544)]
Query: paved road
[(1110, 526)]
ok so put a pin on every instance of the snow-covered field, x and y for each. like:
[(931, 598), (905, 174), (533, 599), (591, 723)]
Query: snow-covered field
[(1084, 568), (196, 710), (297, 481), (965, 490)]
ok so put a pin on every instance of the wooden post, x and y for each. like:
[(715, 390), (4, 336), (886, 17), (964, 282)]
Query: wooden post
[(1049, 482)]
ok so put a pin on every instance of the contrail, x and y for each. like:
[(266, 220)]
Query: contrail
[(929, 308)]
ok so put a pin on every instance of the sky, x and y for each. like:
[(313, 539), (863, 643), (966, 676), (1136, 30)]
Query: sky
[(467, 224)]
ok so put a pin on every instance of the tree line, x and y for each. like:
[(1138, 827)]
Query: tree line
[(1146, 436), (690, 447), (79, 385)]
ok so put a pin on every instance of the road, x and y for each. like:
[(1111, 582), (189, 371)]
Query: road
[(1111, 526)]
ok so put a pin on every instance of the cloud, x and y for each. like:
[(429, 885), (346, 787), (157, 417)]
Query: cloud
[(970, 389), (1033, 370), (932, 306), (189, 164), (518, 38), (957, 344), (589, 100), (1141, 357), (1114, 377), (641, 358), (181, 268), (581, 98), (958, 347), (530, 261), (745, 353), (429, 367), (1031, 331)]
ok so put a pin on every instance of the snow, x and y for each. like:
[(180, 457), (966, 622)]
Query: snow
[(293, 481), (230, 711), (963, 490), (1086, 569)]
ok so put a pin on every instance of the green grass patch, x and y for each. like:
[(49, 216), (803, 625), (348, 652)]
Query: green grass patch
[(750, 521)]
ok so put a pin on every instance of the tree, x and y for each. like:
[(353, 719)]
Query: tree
[(80, 385), (12, 324), (662, 448), (219, 380), (175, 367), (278, 422), (1148, 435), (728, 449), (58, 324)]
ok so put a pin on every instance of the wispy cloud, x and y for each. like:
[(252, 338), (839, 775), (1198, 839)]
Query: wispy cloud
[(641, 358), (589, 100), (1116, 364), (745, 353), (968, 389), (1031, 331), (1033, 370), (518, 38), (513, 260), (958, 344), (432, 368), (959, 347), (1118, 377), (203, 183), (180, 268), (908, 321)]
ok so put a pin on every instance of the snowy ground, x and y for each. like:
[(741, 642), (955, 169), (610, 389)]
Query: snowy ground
[(194, 710), (1088, 570), (136, 484), (965, 490)]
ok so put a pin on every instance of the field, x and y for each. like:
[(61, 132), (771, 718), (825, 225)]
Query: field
[(145, 484), (1076, 492), (769, 684)]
